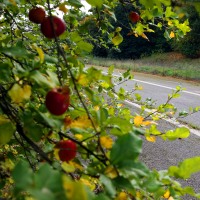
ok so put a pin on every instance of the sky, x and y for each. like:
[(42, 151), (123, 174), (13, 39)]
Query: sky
[(86, 6)]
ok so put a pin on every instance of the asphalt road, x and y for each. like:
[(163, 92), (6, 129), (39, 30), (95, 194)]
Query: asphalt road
[(162, 154), (157, 88)]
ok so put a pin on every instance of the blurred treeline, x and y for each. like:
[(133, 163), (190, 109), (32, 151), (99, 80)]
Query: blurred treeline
[(136, 47)]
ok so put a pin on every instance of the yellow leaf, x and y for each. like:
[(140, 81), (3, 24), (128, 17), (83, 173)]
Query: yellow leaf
[(27, 92), (171, 198), (106, 142), (138, 120), (88, 183), (81, 122), (111, 172), (151, 138), (172, 35), (41, 54), (138, 195), (96, 108), (167, 194), (18, 94), (63, 8), (146, 123), (76, 165), (122, 196), (78, 136), (83, 80)]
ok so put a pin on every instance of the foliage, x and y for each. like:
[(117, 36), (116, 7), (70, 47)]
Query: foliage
[(190, 45), (107, 134)]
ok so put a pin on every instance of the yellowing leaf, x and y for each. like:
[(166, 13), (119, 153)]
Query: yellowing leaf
[(167, 194), (67, 167), (146, 123), (171, 198), (74, 190), (172, 35), (3, 119), (83, 80), (151, 138), (19, 94), (67, 121), (138, 120), (41, 54), (106, 142), (144, 36), (111, 172), (63, 8), (81, 122), (181, 15), (122, 196), (13, 2), (116, 40), (138, 195)]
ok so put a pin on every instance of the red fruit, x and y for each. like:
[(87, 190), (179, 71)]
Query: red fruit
[(37, 15), (134, 16), (52, 26), (58, 100), (67, 150)]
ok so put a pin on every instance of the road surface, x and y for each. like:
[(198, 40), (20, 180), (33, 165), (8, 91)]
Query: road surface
[(162, 154)]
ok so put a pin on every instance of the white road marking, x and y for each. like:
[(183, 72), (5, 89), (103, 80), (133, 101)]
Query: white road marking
[(172, 121), (162, 86)]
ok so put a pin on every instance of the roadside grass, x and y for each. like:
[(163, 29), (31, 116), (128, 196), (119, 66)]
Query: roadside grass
[(165, 64)]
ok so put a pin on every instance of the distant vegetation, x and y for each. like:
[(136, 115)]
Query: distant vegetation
[(165, 64), (136, 47)]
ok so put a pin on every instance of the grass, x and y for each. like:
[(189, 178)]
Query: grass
[(165, 64)]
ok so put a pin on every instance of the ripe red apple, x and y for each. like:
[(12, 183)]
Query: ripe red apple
[(67, 150), (134, 16), (52, 27), (37, 15), (58, 100)]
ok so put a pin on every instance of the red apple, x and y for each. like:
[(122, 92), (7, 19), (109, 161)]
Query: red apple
[(58, 100), (37, 15), (52, 27), (67, 150), (134, 16)]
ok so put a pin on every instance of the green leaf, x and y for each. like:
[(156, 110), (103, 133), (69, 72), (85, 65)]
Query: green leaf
[(85, 46), (152, 184), (95, 3), (182, 132), (6, 132), (109, 187), (186, 168), (5, 72), (22, 175), (123, 125), (130, 169), (75, 3), (126, 147), (44, 80)]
